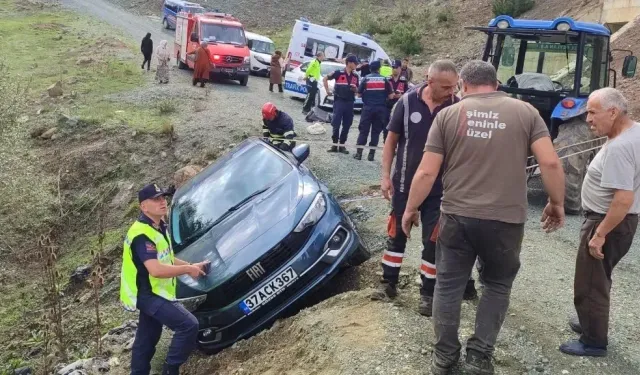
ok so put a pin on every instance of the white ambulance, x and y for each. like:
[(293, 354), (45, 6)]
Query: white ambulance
[(308, 39)]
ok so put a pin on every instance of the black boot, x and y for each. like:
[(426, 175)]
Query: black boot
[(194, 81), (170, 369), (333, 149), (358, 155), (372, 153), (343, 150)]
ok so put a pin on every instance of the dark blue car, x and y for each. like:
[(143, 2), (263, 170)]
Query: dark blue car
[(272, 232)]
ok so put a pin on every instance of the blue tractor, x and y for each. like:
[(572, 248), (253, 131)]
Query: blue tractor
[(555, 65)]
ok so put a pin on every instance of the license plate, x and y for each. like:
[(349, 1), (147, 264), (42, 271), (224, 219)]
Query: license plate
[(229, 70), (271, 289)]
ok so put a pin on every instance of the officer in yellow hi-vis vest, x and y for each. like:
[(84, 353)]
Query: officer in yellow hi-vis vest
[(148, 284)]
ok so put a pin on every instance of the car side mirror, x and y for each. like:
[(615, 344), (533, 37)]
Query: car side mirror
[(629, 66), (194, 37), (301, 152)]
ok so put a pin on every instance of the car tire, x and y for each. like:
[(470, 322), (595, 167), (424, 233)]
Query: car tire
[(360, 256), (165, 24), (243, 81), (180, 64)]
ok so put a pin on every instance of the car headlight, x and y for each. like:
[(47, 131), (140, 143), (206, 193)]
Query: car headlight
[(260, 59), (192, 303), (313, 214)]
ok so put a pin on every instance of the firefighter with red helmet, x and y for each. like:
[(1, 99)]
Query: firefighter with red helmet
[(277, 127)]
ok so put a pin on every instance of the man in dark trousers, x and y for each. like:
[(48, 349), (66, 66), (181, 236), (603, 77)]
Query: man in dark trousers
[(375, 90), (408, 128), (146, 47), (277, 127), (611, 204), (483, 142), (148, 284), (344, 93)]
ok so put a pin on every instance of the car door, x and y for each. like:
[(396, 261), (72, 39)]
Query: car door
[(295, 80)]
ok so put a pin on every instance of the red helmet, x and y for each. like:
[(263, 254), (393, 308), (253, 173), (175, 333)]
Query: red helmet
[(269, 111)]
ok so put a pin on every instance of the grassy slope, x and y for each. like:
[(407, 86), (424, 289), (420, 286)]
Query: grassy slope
[(42, 46)]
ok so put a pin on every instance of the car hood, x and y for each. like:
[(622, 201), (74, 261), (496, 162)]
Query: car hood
[(254, 229)]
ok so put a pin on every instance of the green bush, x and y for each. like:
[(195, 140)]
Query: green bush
[(513, 8), (444, 16), (166, 107), (406, 39)]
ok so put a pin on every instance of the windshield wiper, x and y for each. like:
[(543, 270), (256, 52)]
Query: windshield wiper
[(229, 211), (236, 206)]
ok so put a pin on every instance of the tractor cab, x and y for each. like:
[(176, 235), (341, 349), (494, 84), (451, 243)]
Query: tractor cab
[(552, 64)]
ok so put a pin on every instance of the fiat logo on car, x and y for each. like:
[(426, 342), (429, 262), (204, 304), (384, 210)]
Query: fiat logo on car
[(255, 272)]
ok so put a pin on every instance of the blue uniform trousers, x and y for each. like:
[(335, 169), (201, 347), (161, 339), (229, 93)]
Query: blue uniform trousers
[(372, 120), (154, 313), (342, 114)]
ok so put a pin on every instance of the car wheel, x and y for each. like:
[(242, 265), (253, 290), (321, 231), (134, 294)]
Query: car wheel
[(243, 81), (360, 256)]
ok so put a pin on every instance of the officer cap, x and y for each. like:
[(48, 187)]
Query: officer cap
[(375, 65), (352, 59), (150, 191), (396, 63)]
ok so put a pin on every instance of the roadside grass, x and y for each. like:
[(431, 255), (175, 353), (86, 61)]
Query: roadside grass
[(40, 46)]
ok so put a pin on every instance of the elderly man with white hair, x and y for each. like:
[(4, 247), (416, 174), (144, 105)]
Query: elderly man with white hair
[(611, 203)]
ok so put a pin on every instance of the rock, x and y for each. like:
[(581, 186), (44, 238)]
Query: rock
[(74, 94), (38, 131), (565, 371), (55, 136), (114, 362), (184, 174), (84, 60), (545, 361), (80, 274), (124, 194), (523, 328), (64, 120), (23, 119), (57, 37), (48, 133), (163, 154), (69, 369), (55, 90), (72, 80), (316, 129), (539, 368), (22, 371), (40, 111)]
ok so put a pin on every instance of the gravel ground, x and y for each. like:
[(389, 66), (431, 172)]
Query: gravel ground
[(542, 294)]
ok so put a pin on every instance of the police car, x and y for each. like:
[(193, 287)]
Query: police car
[(295, 84)]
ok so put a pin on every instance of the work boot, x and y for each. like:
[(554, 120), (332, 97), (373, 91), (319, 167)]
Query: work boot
[(333, 149), (478, 363), (343, 150), (358, 155), (168, 369), (440, 367), (470, 292), (372, 153), (426, 305), (384, 291)]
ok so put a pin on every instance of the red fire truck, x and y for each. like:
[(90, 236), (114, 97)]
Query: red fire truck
[(227, 44)]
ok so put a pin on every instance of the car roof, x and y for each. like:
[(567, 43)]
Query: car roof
[(587, 27), (259, 37)]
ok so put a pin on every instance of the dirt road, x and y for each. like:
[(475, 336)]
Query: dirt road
[(541, 298)]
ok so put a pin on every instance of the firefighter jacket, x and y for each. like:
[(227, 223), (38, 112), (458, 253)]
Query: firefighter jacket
[(280, 129)]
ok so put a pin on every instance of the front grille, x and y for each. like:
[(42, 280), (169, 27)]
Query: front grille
[(240, 284), (232, 59)]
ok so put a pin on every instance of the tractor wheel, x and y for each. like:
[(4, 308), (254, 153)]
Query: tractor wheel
[(575, 167)]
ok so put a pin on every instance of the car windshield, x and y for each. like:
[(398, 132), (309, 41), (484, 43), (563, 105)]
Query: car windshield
[(263, 47), (550, 61), (223, 34), (193, 10), (252, 170)]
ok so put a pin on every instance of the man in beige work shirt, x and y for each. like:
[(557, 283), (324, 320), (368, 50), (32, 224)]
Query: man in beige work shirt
[(483, 142)]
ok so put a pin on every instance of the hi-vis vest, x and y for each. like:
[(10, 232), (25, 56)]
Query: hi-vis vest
[(165, 288), (386, 71)]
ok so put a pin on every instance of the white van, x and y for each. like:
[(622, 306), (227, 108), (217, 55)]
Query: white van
[(261, 49), (308, 39)]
